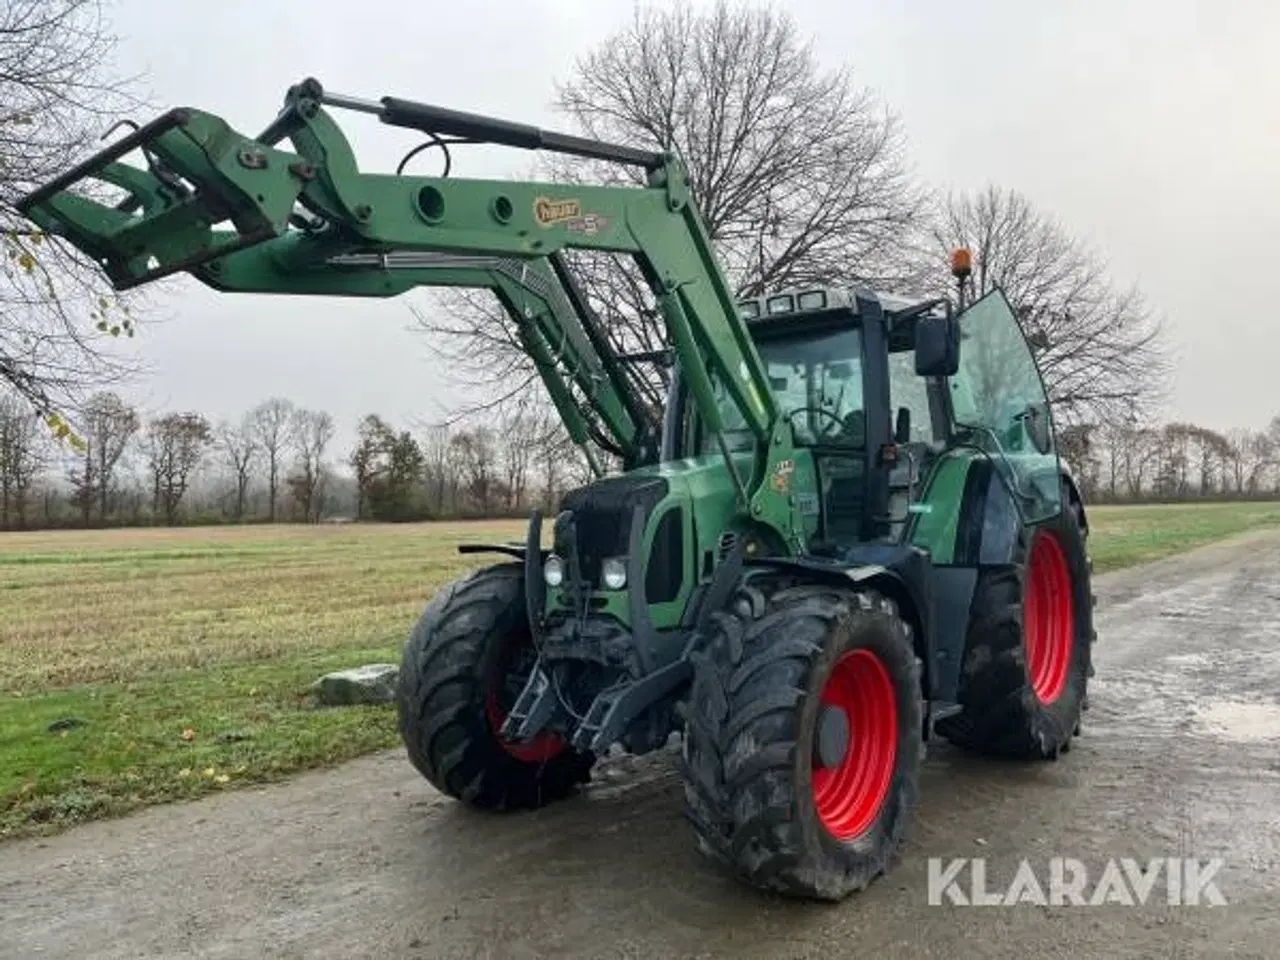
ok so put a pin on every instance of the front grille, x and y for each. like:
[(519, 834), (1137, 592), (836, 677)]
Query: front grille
[(725, 545), (601, 513)]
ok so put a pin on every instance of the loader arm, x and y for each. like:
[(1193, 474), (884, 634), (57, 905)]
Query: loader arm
[(584, 379), (243, 215)]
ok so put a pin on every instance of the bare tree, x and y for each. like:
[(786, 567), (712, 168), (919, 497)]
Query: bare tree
[(799, 173), (1262, 458), (1078, 446), (239, 447), (1268, 451), (1240, 460), (175, 446), (311, 431), (517, 428), (560, 462), (1139, 449), (58, 95), (23, 455), (440, 475), (269, 426), (109, 426), (1099, 349), (1215, 455), (475, 452)]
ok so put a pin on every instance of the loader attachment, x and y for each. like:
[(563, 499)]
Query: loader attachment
[(195, 182), (242, 215)]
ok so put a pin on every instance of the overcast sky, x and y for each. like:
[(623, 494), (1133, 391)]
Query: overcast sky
[(1148, 128)]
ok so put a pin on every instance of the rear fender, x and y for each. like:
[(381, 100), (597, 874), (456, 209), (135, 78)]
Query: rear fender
[(1077, 501), (990, 523)]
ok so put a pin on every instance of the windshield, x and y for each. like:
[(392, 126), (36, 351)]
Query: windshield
[(816, 380)]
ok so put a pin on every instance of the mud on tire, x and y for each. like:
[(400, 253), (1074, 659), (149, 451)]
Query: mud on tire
[(460, 672), (749, 762), (1018, 703)]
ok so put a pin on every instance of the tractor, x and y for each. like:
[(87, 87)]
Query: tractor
[(846, 533)]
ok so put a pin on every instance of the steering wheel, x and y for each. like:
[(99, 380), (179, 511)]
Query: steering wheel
[(840, 424)]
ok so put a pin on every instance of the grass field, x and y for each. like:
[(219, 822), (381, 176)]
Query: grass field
[(150, 665)]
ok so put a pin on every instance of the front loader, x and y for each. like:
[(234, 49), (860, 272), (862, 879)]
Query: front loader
[(847, 532)]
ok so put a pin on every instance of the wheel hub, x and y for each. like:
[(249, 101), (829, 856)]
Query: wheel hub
[(833, 736), (855, 744)]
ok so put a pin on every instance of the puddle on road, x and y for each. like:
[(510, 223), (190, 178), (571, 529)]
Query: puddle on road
[(1242, 722)]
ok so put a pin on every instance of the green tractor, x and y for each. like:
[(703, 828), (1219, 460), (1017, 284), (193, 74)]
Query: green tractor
[(847, 532)]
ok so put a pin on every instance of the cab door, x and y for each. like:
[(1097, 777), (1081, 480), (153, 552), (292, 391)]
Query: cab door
[(998, 398)]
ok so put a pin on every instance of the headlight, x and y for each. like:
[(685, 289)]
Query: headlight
[(553, 571), (614, 573)]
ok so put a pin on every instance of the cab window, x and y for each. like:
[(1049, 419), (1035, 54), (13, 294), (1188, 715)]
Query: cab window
[(816, 380)]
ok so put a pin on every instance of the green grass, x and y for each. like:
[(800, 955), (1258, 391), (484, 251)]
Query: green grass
[(173, 736), (1125, 536), (185, 655)]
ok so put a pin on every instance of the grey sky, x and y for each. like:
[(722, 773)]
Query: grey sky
[(1147, 128)]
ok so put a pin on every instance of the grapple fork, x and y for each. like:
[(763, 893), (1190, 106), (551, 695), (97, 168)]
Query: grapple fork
[(207, 191)]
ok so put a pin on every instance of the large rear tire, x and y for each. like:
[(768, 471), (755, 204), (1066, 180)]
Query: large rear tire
[(461, 670), (803, 742), (1028, 653)]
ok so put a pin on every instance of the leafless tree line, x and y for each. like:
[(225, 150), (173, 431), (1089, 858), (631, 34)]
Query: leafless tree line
[(514, 459), (276, 463), (1128, 461), (279, 463), (134, 468)]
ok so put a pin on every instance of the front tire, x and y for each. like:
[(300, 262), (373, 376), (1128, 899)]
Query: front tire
[(803, 743), (461, 670)]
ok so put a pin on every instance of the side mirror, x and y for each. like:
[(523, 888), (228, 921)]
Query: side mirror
[(937, 346)]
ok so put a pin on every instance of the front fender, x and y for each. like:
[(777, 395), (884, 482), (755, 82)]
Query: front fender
[(899, 571)]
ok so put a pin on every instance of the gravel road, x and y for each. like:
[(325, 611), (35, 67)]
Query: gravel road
[(1178, 758)]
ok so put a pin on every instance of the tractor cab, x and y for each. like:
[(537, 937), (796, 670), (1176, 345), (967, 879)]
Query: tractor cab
[(867, 417), (878, 392)]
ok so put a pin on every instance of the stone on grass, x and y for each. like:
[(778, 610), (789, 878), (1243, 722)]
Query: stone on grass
[(372, 683)]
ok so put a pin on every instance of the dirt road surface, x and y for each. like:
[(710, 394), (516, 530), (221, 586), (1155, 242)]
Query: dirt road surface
[(1178, 758)]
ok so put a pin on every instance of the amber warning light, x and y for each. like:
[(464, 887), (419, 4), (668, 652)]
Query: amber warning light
[(961, 263)]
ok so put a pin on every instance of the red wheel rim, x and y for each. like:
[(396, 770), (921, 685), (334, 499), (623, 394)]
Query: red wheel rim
[(850, 795), (1048, 617), (542, 747)]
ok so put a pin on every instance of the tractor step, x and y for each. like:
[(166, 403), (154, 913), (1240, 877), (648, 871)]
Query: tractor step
[(939, 712)]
